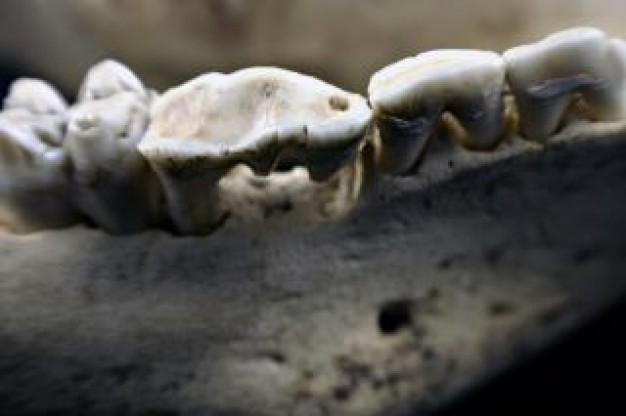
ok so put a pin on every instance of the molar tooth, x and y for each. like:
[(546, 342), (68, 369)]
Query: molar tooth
[(108, 78), (113, 184), (255, 116), (34, 188), (410, 96), (543, 77)]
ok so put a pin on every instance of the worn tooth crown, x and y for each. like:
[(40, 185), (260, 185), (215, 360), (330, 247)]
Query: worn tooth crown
[(34, 190), (219, 116), (108, 78), (409, 96), (35, 96), (113, 184), (543, 77), (255, 116)]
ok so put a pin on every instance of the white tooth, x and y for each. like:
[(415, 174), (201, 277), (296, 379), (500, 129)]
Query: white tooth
[(255, 116), (610, 103), (545, 75), (34, 188), (36, 96), (108, 78), (409, 97), (113, 184)]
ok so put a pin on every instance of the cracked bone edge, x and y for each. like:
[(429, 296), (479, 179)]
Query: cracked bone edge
[(108, 78), (256, 116), (35, 96), (34, 188), (409, 97), (113, 183), (545, 77)]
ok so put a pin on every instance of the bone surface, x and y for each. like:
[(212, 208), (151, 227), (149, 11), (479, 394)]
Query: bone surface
[(34, 188), (409, 97), (113, 184), (256, 116), (544, 77)]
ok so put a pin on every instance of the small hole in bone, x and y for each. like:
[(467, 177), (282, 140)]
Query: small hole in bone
[(395, 315), (338, 103)]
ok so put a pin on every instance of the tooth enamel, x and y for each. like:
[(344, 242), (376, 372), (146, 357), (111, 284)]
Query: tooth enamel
[(409, 97), (545, 75), (113, 184), (108, 78), (35, 96), (34, 188), (610, 104), (256, 116)]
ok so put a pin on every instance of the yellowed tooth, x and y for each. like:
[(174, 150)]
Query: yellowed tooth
[(256, 116), (410, 96)]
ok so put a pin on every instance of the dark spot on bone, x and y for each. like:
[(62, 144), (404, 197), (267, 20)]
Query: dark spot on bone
[(493, 255), (276, 357), (427, 203), (444, 263), (500, 308), (344, 390), (123, 372), (585, 254), (395, 315)]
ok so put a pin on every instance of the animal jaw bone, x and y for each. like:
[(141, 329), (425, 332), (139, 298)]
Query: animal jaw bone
[(214, 142)]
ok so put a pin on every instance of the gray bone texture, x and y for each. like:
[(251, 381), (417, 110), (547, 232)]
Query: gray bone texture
[(436, 282)]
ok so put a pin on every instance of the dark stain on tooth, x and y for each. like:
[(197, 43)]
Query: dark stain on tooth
[(258, 183), (282, 207)]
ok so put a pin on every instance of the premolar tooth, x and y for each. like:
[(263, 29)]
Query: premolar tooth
[(255, 116), (409, 97), (113, 184), (34, 188), (543, 77)]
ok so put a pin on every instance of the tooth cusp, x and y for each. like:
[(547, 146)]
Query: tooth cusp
[(410, 96), (546, 76)]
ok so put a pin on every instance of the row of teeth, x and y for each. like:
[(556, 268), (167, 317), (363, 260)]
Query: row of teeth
[(127, 158)]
